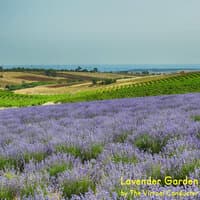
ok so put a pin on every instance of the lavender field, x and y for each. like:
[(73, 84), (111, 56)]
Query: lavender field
[(92, 150)]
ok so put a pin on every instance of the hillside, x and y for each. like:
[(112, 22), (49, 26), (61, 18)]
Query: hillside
[(174, 84)]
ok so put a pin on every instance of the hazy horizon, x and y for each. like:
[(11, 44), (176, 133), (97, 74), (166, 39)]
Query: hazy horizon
[(99, 32)]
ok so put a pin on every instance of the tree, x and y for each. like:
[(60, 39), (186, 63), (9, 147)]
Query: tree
[(145, 72), (50, 72), (78, 69), (1, 72), (95, 69), (94, 81)]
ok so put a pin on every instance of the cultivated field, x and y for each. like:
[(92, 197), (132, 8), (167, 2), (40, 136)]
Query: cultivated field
[(87, 85), (54, 82), (14, 78), (122, 88), (92, 150)]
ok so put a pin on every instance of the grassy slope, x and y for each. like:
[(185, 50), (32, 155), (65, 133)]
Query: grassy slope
[(172, 85)]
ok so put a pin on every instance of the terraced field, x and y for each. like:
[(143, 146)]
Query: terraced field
[(177, 84)]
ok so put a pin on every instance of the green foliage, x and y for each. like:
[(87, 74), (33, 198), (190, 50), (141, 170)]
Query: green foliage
[(26, 85), (149, 143), (179, 84), (78, 69), (7, 163), (108, 81), (38, 156), (75, 151), (9, 175), (55, 169), (18, 162), (7, 193), (95, 69), (187, 168), (94, 81), (121, 137), (124, 159), (92, 153), (28, 190), (155, 171), (50, 72), (77, 187), (196, 118), (83, 154), (3, 163), (145, 72)]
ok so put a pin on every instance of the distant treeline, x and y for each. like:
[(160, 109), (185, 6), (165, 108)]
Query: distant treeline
[(52, 72), (22, 69)]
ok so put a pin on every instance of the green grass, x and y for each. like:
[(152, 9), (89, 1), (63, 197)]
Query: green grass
[(178, 84), (156, 173), (27, 85), (120, 138), (30, 189), (77, 187), (187, 168), (196, 118), (75, 151), (55, 169), (18, 163), (124, 159), (15, 163), (37, 157), (7, 193), (83, 154), (146, 142)]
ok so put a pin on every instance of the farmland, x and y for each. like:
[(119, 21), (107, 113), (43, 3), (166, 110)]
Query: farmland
[(122, 88), (91, 150)]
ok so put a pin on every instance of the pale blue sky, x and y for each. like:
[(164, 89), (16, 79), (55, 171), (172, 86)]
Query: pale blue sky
[(99, 31)]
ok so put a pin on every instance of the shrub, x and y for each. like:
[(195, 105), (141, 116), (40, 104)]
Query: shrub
[(187, 168), (108, 81), (196, 118), (149, 143), (58, 168), (50, 72), (38, 156), (77, 187), (120, 137), (94, 81), (124, 159), (83, 154), (7, 193)]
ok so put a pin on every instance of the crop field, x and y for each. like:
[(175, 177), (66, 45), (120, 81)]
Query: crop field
[(95, 150), (176, 84), (17, 78), (48, 82), (87, 85)]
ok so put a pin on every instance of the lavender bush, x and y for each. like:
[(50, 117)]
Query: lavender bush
[(82, 151)]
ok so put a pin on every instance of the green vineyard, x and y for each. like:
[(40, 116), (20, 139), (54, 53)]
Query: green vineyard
[(184, 83)]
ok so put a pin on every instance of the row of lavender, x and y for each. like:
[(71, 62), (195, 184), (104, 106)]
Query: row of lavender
[(82, 150)]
